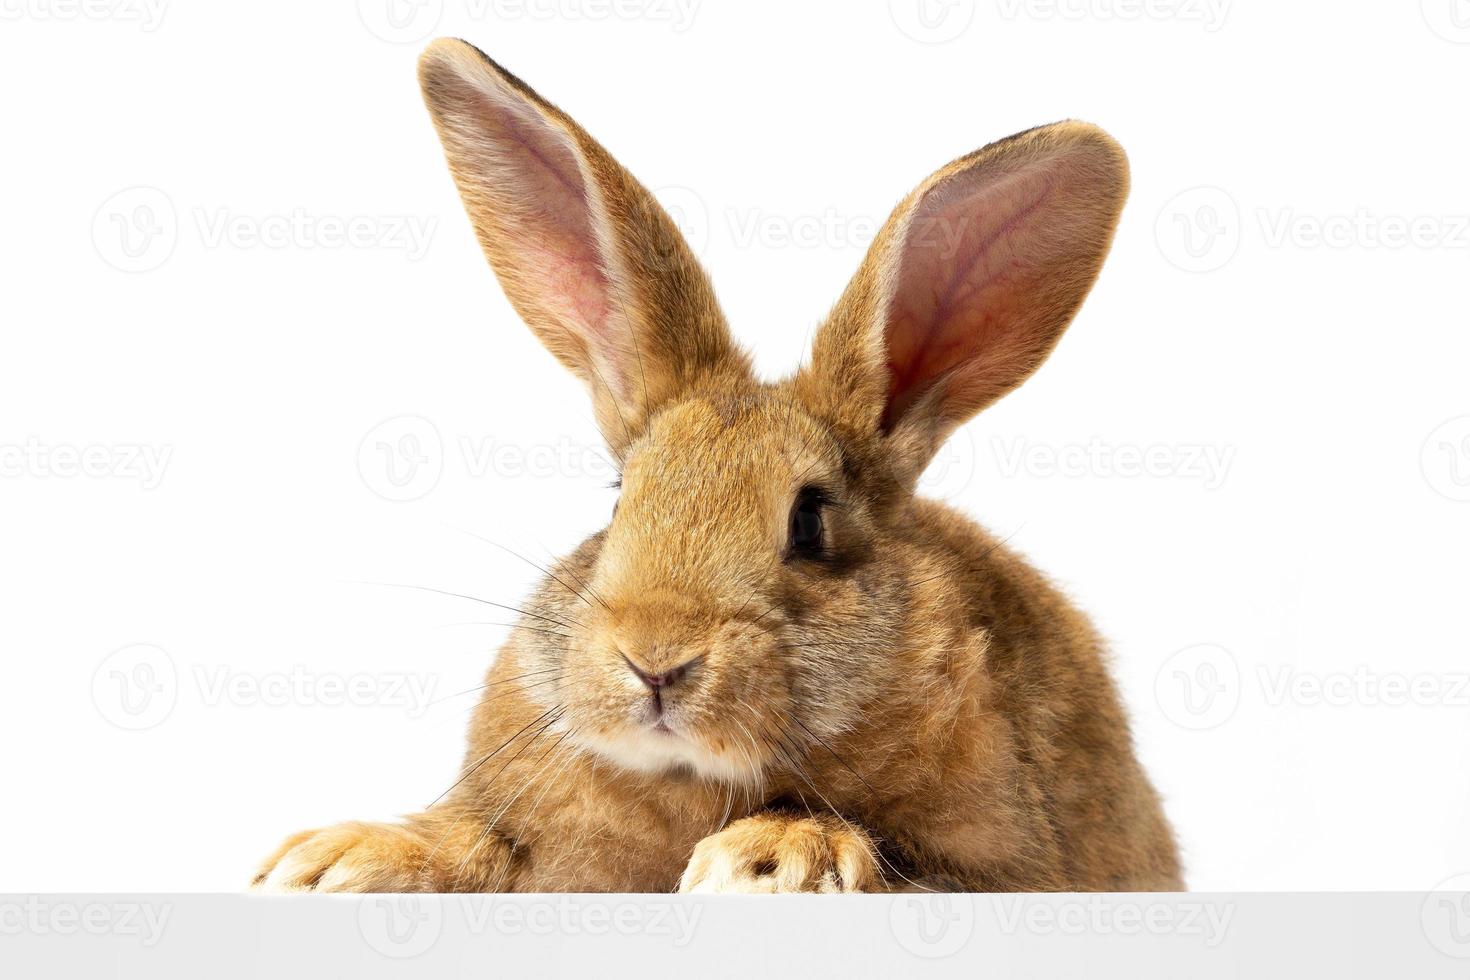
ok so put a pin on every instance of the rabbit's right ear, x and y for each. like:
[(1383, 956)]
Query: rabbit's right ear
[(586, 255), (967, 288)]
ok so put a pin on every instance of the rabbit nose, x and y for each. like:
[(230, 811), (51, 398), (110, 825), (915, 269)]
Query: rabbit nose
[(659, 681)]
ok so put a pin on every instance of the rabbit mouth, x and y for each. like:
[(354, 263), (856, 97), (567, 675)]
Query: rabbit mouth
[(664, 726), (660, 746)]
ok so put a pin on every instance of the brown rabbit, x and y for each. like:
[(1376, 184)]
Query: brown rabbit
[(777, 669)]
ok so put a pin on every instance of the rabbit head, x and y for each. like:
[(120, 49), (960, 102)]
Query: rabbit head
[(752, 585)]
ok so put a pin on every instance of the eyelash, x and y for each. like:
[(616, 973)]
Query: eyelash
[(816, 500), (817, 495)]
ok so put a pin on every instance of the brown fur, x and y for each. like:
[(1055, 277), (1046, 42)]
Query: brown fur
[(915, 707)]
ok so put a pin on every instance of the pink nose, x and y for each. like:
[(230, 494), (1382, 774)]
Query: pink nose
[(656, 682)]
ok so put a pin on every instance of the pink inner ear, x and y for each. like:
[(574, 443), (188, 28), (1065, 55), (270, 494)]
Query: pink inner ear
[(546, 214), (971, 253)]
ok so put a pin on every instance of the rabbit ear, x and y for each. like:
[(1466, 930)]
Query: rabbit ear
[(586, 255), (968, 287)]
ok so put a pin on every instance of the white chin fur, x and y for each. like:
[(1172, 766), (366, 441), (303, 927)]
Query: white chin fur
[(646, 751)]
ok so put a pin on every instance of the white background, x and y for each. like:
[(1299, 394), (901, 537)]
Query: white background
[(1280, 331)]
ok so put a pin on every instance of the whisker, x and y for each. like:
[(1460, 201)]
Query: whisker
[(755, 770), (539, 768), (490, 755), (801, 594), (482, 687), (490, 826), (729, 805), (541, 568), (514, 626), (486, 700), (559, 711), (459, 870), (522, 689), (571, 756), (590, 590), (472, 598), (877, 851), (823, 743)]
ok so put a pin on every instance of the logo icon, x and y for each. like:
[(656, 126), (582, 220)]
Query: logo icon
[(690, 215), (400, 926), (1199, 229), (932, 926), (932, 21), (136, 687), (952, 468), (1445, 916), (401, 459), (400, 21), (1199, 687), (136, 229), (1445, 459), (1450, 19)]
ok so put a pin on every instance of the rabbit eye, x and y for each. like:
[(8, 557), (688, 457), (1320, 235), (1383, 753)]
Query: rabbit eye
[(806, 523)]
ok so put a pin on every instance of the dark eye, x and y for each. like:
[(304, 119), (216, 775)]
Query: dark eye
[(806, 523)]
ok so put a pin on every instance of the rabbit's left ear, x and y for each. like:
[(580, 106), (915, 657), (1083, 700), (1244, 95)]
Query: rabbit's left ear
[(967, 288), (594, 266)]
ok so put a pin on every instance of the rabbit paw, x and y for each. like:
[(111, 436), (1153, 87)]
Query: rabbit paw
[(771, 853), (349, 857)]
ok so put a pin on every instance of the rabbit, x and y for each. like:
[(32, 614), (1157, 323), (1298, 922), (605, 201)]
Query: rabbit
[(777, 669)]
